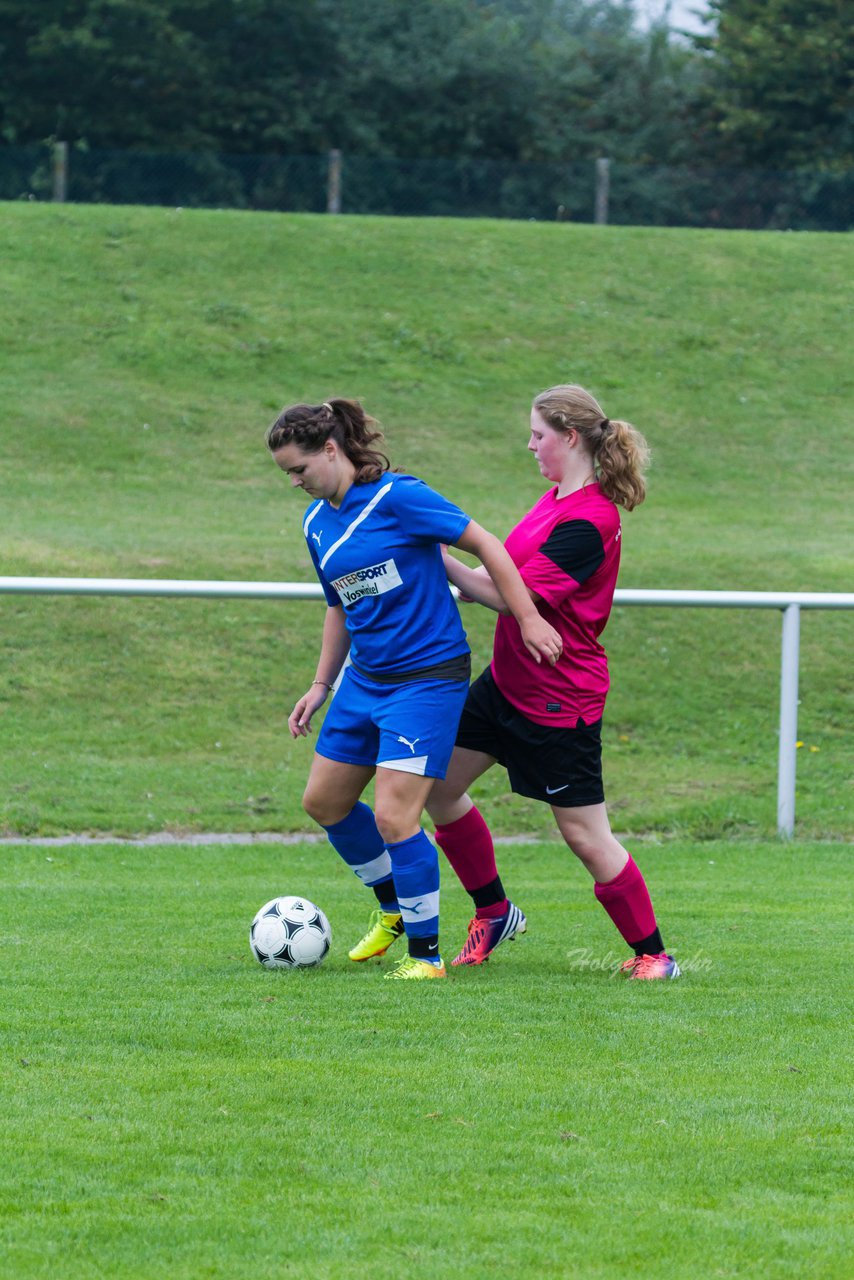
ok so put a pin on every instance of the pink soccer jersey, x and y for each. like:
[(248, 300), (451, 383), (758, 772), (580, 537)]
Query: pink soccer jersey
[(568, 551)]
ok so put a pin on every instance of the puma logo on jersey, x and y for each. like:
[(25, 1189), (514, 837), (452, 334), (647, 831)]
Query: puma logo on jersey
[(407, 743), (317, 537)]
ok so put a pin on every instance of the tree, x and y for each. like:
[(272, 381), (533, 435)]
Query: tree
[(606, 88), (524, 80), (519, 80), (781, 83), (113, 72), (270, 78), (161, 74)]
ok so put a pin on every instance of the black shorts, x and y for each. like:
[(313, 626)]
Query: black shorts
[(560, 766)]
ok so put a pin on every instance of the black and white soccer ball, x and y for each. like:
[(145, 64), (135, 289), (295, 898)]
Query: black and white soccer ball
[(290, 933)]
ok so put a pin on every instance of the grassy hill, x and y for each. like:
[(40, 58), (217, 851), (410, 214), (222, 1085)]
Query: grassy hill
[(146, 350)]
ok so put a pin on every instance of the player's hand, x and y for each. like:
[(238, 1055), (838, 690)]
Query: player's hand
[(299, 721), (541, 640)]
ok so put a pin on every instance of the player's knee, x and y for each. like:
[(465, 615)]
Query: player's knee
[(445, 804), (322, 808), (578, 838), (393, 823)]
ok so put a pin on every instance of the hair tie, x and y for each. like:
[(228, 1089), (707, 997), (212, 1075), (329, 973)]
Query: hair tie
[(606, 423), (327, 405)]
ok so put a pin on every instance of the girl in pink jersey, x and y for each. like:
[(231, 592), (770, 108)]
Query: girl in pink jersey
[(544, 723)]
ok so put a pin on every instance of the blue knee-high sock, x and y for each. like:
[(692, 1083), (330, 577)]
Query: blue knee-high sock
[(415, 865), (360, 844)]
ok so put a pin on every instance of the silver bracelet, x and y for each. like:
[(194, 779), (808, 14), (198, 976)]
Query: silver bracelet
[(325, 683)]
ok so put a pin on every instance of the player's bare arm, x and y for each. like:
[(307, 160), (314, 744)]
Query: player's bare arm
[(504, 590), (476, 586), (334, 648)]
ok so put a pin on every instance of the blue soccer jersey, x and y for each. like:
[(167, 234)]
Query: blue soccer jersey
[(378, 556)]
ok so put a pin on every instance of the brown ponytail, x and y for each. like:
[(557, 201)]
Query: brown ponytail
[(309, 426)]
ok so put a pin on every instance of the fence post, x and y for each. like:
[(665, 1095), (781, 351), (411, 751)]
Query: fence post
[(603, 185), (60, 172), (788, 746), (333, 182)]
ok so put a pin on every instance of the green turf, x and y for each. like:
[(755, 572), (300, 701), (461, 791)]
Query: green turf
[(146, 350), (172, 1108)]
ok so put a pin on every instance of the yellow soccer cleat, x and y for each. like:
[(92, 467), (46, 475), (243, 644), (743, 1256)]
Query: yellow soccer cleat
[(383, 928), (411, 967)]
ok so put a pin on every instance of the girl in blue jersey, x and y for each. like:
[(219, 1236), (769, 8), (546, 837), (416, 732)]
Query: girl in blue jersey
[(376, 539)]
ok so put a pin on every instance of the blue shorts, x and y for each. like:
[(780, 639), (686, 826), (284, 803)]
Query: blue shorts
[(410, 727)]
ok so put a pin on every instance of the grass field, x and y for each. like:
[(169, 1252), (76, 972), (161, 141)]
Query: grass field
[(146, 350), (171, 1108)]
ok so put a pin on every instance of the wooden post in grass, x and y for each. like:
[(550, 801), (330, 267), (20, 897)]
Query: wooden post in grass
[(60, 172), (603, 185), (333, 182)]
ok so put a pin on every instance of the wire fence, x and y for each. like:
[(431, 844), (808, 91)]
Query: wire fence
[(582, 191)]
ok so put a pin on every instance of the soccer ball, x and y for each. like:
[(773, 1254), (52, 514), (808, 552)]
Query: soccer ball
[(290, 933)]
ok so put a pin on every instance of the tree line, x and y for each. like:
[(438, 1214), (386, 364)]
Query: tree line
[(771, 84)]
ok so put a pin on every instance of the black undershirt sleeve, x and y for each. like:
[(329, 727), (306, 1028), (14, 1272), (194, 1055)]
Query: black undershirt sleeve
[(575, 547)]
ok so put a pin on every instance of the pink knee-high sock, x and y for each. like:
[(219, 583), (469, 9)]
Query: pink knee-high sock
[(626, 899), (467, 844)]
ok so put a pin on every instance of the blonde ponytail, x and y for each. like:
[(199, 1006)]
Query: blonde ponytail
[(619, 452)]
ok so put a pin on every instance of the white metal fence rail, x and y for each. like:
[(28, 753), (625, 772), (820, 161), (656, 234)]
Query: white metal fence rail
[(790, 603)]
